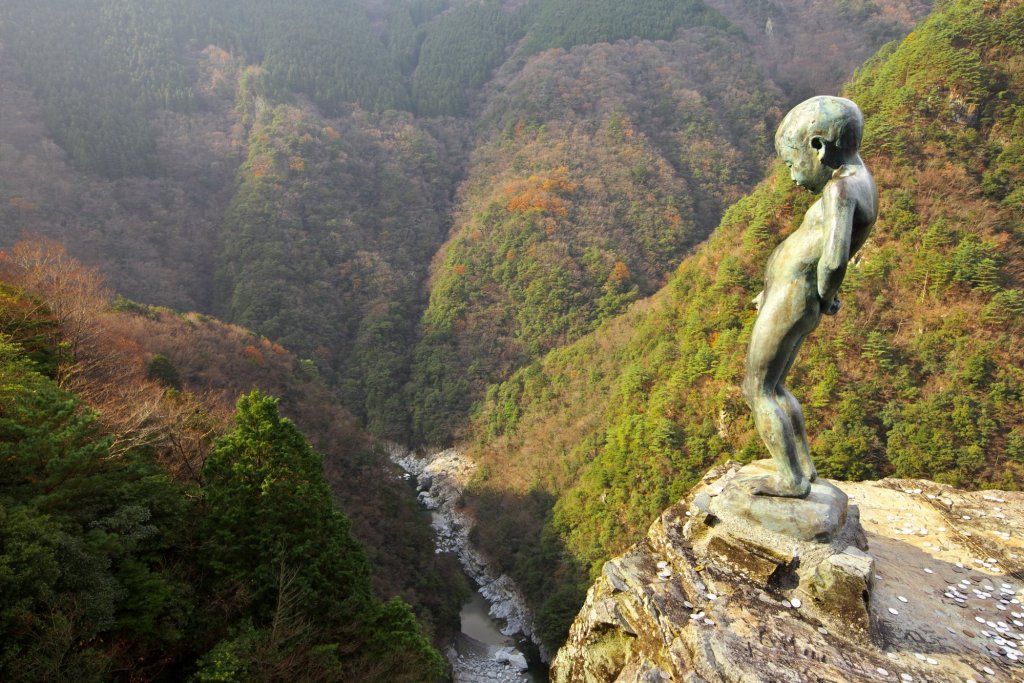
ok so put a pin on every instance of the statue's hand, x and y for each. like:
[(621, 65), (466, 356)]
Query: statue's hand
[(833, 307), (758, 300)]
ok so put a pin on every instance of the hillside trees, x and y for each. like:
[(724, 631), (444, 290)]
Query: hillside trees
[(102, 69), (600, 168), (561, 24), (100, 555), (326, 245), (94, 577), (174, 429), (277, 544), (810, 48), (456, 55)]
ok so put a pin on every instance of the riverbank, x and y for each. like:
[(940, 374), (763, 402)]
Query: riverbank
[(441, 478)]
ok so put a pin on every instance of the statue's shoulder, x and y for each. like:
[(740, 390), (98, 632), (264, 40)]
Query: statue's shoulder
[(853, 186), (851, 183)]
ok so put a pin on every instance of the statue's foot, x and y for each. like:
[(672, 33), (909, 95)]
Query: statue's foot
[(775, 485)]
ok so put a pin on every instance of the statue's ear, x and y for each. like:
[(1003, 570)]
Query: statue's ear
[(818, 143), (827, 151)]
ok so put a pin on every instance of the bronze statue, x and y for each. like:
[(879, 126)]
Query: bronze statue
[(819, 140)]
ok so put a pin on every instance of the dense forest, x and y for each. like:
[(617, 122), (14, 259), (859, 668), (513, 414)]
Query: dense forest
[(600, 168), (147, 528), (918, 376), (206, 159), (527, 228)]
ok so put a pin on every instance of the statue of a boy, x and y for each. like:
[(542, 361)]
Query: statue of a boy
[(819, 140)]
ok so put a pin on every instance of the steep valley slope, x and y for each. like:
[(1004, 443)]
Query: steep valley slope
[(206, 161), (918, 376)]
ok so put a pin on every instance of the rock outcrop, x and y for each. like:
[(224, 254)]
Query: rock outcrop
[(919, 582)]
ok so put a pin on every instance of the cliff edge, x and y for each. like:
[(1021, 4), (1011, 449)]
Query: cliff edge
[(921, 582)]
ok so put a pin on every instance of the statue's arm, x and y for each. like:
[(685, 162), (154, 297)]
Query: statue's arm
[(835, 255)]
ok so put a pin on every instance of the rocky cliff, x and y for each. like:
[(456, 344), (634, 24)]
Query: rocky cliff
[(922, 582)]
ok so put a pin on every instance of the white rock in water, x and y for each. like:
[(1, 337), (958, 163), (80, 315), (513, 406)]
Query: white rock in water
[(512, 657)]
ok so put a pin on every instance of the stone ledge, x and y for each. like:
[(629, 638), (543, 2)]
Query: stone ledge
[(817, 517), (689, 612)]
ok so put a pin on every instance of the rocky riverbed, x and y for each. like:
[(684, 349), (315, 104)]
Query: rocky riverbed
[(441, 478)]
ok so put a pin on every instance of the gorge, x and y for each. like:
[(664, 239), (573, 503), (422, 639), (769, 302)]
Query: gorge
[(520, 236)]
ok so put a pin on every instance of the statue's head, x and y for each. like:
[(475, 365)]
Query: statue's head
[(818, 136)]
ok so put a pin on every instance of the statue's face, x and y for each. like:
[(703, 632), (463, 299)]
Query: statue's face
[(804, 161)]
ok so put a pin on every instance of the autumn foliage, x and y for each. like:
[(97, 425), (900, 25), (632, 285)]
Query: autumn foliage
[(544, 194)]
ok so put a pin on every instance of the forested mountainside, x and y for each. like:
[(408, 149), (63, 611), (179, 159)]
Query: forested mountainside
[(295, 168), (420, 199), (132, 538), (598, 170), (919, 375), (806, 46)]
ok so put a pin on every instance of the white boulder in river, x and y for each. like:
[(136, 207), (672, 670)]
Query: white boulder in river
[(512, 657)]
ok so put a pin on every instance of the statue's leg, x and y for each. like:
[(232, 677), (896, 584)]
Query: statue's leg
[(791, 406), (772, 346)]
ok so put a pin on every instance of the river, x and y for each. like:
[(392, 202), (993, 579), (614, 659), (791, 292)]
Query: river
[(476, 652), (473, 656)]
